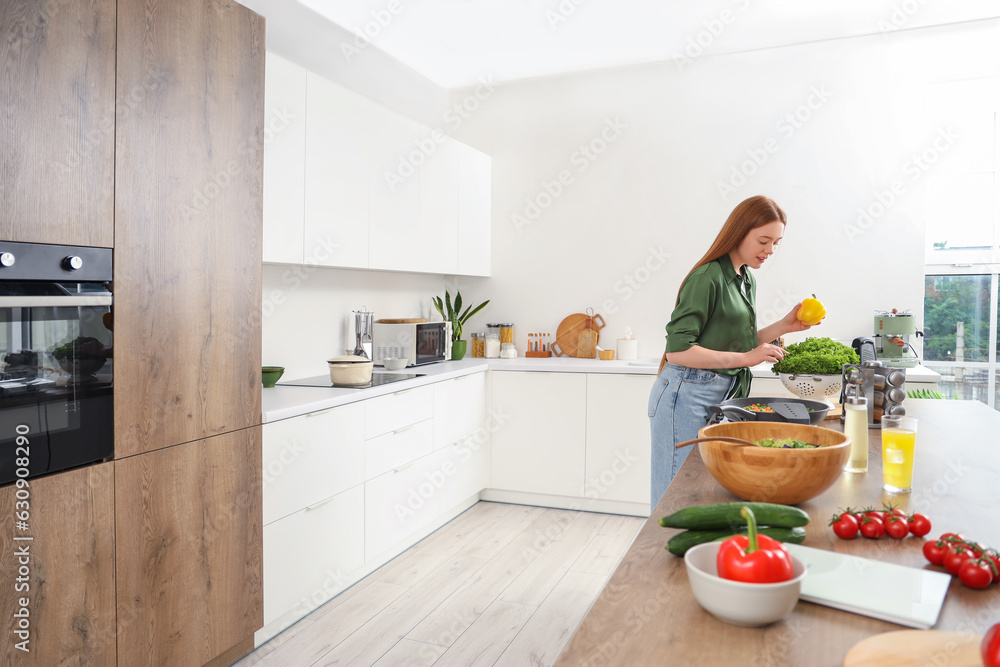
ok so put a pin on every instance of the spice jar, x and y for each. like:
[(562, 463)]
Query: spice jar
[(491, 346)]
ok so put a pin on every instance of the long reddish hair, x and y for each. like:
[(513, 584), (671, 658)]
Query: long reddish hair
[(748, 215)]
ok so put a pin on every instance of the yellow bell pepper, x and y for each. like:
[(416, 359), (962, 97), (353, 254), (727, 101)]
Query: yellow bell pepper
[(811, 312)]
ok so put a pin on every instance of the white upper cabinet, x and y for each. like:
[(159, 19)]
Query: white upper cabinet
[(393, 228), (338, 149), (284, 159), (437, 227), (349, 183), (474, 213)]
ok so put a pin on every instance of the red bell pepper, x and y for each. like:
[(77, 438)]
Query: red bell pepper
[(991, 647), (753, 558)]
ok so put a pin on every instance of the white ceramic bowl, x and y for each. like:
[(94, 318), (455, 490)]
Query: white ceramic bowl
[(736, 602), (394, 363), (350, 371)]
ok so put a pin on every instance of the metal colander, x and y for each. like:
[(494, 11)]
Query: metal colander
[(812, 386)]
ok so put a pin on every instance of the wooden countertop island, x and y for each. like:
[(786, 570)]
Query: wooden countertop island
[(647, 615)]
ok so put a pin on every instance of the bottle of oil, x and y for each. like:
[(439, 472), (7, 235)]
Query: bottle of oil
[(856, 428)]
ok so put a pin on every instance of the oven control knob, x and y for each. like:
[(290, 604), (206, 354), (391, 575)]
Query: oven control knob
[(7, 259), (72, 263)]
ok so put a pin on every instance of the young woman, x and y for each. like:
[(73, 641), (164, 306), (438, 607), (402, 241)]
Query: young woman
[(712, 337)]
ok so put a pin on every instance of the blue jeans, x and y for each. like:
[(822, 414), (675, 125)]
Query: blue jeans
[(678, 408)]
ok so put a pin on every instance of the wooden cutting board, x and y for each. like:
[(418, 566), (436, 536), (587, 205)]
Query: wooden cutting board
[(916, 648), (567, 341)]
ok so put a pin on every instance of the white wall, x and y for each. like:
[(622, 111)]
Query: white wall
[(654, 189), (307, 310)]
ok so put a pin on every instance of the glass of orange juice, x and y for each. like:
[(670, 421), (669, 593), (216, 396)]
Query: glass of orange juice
[(899, 435)]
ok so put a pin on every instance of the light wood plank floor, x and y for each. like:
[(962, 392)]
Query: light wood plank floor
[(498, 585)]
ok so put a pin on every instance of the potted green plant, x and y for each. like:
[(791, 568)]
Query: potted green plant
[(458, 318)]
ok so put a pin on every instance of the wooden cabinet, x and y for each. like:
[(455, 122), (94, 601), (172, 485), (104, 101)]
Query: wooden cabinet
[(539, 448), (68, 576), (187, 222), (188, 528), (338, 147), (284, 157), (58, 101), (618, 440)]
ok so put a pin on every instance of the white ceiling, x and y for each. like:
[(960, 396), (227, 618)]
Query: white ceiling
[(455, 43)]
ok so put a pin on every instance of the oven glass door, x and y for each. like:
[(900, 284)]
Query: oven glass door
[(431, 342), (55, 387)]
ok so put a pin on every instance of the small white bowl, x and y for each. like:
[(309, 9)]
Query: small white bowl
[(736, 602), (394, 363)]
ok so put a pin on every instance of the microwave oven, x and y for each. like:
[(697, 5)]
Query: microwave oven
[(417, 342)]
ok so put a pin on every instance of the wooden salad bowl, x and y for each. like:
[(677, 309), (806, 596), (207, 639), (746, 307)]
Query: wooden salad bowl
[(764, 474)]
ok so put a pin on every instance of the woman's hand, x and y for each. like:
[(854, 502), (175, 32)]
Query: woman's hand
[(792, 323), (764, 353)]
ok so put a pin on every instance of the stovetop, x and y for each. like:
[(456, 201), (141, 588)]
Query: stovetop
[(324, 381)]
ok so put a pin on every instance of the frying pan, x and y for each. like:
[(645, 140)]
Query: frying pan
[(735, 409)]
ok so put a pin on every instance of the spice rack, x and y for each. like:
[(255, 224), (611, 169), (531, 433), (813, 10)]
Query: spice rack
[(538, 345)]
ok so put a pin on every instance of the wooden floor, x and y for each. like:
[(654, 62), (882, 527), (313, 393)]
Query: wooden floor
[(499, 585)]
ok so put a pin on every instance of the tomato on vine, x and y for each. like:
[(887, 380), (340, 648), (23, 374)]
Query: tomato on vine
[(845, 525), (919, 525), (896, 527)]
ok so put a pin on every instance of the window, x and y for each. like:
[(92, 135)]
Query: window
[(962, 236)]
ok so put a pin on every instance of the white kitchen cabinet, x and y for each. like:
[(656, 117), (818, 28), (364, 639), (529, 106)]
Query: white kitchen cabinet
[(337, 180), (398, 447), (618, 438), (284, 160), (395, 169), (309, 556), (474, 212), (460, 410), (539, 447), (438, 224), (408, 502), (312, 457), (398, 410)]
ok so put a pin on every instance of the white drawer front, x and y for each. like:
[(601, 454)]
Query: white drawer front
[(459, 409), (394, 411), (308, 555), (404, 500), (397, 448), (312, 457)]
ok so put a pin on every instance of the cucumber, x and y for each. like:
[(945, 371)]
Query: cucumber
[(681, 542), (726, 516)]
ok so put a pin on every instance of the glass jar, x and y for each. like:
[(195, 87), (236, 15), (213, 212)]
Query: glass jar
[(478, 340), (508, 351), (506, 333), (491, 346)]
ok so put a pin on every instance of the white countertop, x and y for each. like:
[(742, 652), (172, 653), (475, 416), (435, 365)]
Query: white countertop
[(282, 402)]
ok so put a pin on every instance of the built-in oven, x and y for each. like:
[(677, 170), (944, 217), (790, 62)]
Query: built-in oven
[(56, 370)]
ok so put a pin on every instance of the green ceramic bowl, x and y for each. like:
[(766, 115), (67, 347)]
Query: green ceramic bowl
[(271, 374)]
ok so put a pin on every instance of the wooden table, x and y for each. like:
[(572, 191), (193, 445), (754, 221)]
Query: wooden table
[(646, 615)]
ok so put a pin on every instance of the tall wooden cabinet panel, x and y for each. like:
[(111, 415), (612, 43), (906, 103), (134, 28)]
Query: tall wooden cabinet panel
[(187, 222), (70, 576), (57, 96), (188, 523)]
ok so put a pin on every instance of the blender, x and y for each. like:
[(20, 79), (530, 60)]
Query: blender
[(363, 322)]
